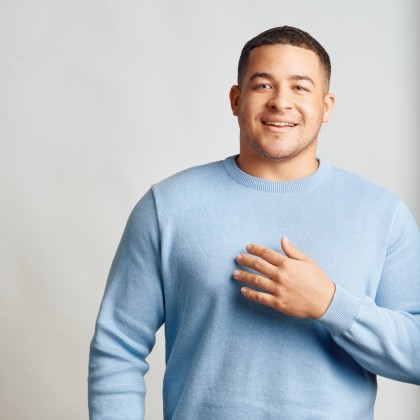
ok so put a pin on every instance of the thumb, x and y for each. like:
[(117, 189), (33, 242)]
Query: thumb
[(291, 251)]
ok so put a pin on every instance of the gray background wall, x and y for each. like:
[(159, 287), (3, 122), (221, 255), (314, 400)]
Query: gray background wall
[(100, 99)]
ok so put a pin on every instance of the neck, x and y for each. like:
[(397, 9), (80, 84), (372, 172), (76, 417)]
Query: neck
[(278, 170)]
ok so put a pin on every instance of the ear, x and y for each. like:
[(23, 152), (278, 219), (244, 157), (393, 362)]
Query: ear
[(328, 106), (234, 99)]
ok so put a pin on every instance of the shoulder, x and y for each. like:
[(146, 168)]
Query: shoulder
[(363, 199), (178, 192), (361, 189), (185, 184), (195, 174)]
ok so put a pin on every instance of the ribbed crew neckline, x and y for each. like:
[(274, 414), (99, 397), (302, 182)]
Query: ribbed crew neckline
[(262, 184)]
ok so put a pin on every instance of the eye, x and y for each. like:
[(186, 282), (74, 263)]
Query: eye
[(264, 86), (301, 88)]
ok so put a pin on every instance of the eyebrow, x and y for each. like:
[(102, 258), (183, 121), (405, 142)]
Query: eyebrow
[(301, 77), (269, 76), (262, 76)]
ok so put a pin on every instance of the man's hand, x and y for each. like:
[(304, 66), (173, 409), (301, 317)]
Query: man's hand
[(295, 284)]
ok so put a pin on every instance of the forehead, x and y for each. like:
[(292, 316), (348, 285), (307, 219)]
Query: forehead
[(282, 60)]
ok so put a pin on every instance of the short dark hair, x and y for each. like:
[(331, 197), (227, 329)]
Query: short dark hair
[(286, 35)]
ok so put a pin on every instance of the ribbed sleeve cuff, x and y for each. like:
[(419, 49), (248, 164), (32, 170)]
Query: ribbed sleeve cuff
[(342, 312)]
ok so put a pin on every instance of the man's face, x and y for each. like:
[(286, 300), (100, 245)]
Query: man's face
[(282, 103)]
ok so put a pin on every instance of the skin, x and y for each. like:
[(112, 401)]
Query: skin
[(282, 83)]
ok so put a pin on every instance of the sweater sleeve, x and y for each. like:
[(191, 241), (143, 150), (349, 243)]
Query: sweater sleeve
[(131, 312), (383, 335)]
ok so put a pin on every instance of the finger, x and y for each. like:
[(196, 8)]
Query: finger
[(256, 264), (259, 297), (266, 254), (255, 280), (291, 251)]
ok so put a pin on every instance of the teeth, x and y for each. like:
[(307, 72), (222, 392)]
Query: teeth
[(279, 124)]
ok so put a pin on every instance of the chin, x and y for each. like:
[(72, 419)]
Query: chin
[(273, 155)]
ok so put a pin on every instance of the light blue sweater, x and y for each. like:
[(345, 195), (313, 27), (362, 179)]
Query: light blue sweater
[(230, 358)]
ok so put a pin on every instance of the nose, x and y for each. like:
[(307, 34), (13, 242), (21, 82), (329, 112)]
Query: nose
[(280, 100)]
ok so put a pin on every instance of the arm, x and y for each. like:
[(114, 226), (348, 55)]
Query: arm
[(382, 335), (131, 312)]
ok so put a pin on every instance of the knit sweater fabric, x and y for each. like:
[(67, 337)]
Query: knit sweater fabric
[(231, 358)]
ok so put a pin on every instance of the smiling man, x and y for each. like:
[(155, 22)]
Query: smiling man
[(258, 328), (281, 103)]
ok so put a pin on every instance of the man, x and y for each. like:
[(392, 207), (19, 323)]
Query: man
[(255, 329)]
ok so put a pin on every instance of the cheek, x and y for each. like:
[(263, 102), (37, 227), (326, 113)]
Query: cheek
[(312, 112), (252, 104), (246, 114)]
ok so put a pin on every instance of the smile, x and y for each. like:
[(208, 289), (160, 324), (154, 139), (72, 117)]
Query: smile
[(279, 123)]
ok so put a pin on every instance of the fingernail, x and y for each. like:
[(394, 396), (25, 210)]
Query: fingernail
[(238, 257), (236, 274), (249, 247)]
